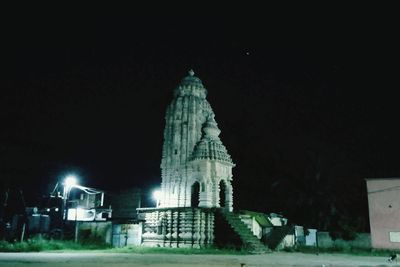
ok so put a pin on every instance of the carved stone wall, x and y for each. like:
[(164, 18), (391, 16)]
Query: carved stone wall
[(177, 227)]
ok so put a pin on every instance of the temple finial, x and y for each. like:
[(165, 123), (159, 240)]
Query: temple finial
[(191, 72)]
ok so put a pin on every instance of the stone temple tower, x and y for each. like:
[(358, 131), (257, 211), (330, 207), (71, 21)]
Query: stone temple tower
[(196, 168), (195, 209)]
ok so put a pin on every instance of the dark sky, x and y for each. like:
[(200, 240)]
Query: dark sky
[(299, 99)]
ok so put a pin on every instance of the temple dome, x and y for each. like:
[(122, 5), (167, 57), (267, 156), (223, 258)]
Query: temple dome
[(211, 129), (210, 146), (192, 80), (191, 85)]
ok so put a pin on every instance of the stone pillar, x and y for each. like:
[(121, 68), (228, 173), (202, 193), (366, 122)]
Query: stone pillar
[(205, 196), (229, 196)]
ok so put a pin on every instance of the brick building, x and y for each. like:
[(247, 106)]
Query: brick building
[(384, 212)]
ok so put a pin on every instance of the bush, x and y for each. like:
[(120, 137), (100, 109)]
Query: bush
[(40, 244)]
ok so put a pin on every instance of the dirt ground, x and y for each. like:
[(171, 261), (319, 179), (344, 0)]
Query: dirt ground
[(97, 259)]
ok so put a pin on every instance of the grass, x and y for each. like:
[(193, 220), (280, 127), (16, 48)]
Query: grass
[(40, 244), (185, 251), (343, 250)]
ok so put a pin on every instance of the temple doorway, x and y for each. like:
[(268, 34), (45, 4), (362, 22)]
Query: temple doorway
[(194, 200), (222, 193)]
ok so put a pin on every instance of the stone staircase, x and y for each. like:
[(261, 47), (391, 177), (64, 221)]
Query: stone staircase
[(250, 242), (277, 235)]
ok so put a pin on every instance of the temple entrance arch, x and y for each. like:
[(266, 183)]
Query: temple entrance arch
[(194, 198), (222, 193)]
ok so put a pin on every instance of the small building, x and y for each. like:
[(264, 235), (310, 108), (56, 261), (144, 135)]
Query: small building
[(86, 204), (78, 212), (124, 203), (384, 212), (126, 228)]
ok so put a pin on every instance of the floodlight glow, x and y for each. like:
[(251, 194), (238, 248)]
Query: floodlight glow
[(70, 181), (157, 195)]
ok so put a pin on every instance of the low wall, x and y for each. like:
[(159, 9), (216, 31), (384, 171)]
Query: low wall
[(96, 230), (362, 240)]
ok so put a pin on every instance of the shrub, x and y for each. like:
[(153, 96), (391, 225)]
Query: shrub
[(38, 243)]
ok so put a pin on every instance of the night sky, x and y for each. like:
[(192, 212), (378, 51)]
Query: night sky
[(307, 105)]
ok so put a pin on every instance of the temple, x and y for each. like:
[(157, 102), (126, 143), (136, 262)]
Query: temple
[(196, 168), (195, 208)]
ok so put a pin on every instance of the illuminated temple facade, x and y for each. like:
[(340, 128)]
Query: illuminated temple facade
[(196, 168), (195, 208)]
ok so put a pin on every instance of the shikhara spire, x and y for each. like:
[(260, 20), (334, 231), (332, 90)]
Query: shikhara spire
[(196, 168)]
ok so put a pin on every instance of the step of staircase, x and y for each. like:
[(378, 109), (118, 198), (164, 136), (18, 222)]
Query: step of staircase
[(277, 235), (251, 242)]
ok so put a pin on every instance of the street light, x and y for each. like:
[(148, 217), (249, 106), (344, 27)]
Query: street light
[(69, 182), (157, 197)]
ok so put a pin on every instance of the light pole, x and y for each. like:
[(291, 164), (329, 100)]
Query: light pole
[(69, 182), (76, 220), (156, 197)]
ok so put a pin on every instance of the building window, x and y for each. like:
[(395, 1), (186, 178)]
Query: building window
[(394, 237), (176, 151)]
